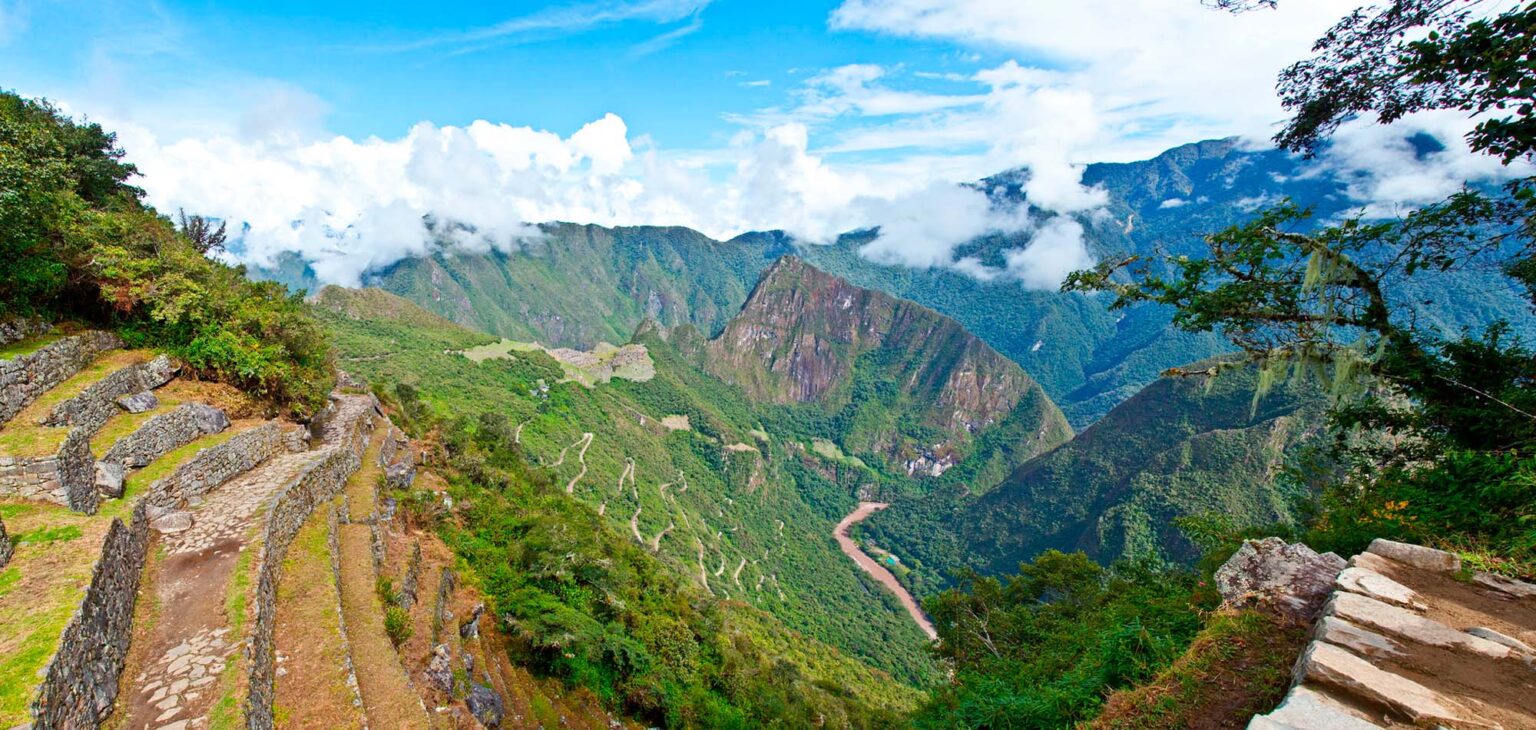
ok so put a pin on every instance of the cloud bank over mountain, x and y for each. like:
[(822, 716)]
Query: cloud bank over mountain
[(1046, 86)]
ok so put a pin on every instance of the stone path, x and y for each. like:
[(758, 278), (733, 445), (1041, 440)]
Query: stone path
[(192, 642), (1406, 639)]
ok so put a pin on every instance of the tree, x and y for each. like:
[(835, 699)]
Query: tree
[(200, 231), (1305, 299)]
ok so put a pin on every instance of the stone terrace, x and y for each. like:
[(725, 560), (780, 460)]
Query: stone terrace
[(1408, 638)]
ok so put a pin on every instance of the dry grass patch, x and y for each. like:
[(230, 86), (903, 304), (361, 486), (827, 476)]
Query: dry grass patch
[(1238, 666), (313, 693)]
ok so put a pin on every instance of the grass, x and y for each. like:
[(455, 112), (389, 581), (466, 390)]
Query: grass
[(29, 345), (1239, 665), (49, 535), (55, 552), (308, 633), (22, 436)]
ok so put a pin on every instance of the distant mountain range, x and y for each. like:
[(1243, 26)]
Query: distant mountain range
[(581, 284)]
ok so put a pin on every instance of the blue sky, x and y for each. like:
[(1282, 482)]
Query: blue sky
[(331, 129), (380, 67)]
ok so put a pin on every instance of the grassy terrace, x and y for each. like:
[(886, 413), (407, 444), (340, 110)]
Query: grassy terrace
[(22, 436), (308, 633), (55, 553), (29, 345)]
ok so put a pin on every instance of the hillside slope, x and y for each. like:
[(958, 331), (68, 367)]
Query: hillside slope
[(1181, 446), (901, 381), (680, 464)]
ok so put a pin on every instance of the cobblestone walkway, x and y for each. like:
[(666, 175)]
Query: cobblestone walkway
[(191, 643)]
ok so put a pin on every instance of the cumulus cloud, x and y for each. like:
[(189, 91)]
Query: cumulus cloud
[(1417, 160)]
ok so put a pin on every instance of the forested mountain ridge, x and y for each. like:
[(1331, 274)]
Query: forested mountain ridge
[(908, 383), (576, 285)]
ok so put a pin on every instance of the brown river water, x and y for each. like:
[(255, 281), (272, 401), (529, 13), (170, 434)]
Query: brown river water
[(874, 568)]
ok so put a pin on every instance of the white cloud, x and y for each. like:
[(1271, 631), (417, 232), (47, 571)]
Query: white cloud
[(563, 20), (1385, 171), (1159, 72)]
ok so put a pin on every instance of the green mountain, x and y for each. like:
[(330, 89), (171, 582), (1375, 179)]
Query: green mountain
[(578, 285), (1184, 446), (681, 464), (896, 380)]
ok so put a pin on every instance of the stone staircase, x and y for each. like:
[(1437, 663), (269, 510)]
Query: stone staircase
[(200, 510), (1404, 637)]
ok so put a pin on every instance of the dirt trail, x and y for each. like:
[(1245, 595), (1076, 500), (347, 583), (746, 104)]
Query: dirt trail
[(193, 638), (875, 569), (581, 458)]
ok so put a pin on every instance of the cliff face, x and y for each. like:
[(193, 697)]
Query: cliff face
[(913, 382)]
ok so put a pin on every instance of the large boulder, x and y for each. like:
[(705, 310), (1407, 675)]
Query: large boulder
[(485, 705), (139, 402), (210, 420), (1291, 579), (109, 479)]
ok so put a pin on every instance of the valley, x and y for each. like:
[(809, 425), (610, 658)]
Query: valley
[(874, 568)]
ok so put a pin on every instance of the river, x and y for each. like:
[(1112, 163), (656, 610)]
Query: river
[(874, 568)]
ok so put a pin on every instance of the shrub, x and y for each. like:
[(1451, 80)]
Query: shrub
[(397, 624)]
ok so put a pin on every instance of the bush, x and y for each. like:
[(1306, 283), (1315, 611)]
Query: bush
[(78, 242), (397, 624)]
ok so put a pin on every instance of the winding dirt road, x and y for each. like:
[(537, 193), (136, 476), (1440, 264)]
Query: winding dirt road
[(875, 569)]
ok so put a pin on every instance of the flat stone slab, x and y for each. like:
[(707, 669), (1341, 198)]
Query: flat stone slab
[(1417, 556), (1370, 583), (1483, 632), (1331, 666), (1406, 624), (1507, 586), (1364, 642), (1310, 709), (179, 521)]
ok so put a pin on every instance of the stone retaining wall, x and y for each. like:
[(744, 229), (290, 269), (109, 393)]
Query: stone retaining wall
[(290, 509), (67, 477), (97, 403), (333, 542), (166, 432), (19, 329), (24, 379), (5, 545), (80, 683), (346, 435), (215, 465)]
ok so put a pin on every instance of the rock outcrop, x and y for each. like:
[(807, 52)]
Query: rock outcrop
[(1404, 639), (1292, 579)]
